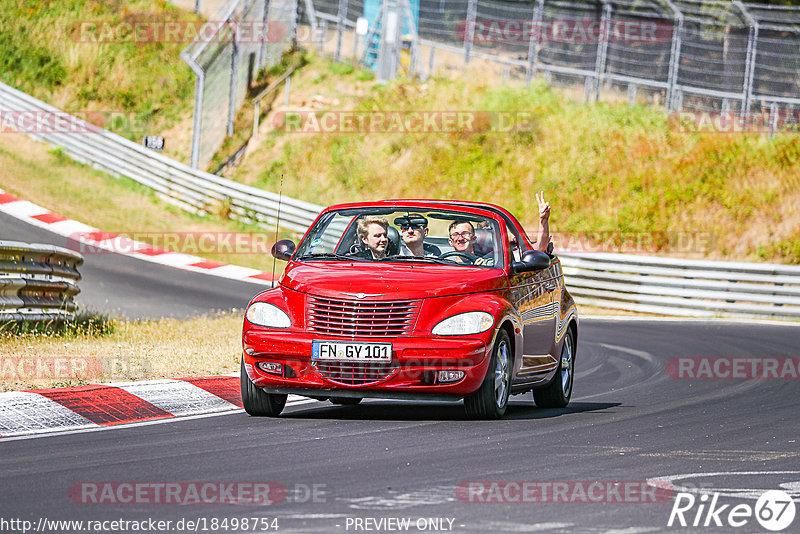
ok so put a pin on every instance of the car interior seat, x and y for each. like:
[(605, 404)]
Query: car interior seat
[(393, 247), (484, 242)]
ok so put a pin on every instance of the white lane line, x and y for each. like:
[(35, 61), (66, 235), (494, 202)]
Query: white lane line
[(742, 493)]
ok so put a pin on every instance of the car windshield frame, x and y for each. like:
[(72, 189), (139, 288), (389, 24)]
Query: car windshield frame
[(334, 236)]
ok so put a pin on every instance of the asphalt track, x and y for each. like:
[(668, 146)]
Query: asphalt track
[(628, 421), (132, 288)]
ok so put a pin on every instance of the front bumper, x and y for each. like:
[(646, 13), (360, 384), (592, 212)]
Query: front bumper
[(411, 374)]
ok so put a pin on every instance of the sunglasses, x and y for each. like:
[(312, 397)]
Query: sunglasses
[(406, 227)]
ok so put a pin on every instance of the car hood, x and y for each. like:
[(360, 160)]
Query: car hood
[(383, 281)]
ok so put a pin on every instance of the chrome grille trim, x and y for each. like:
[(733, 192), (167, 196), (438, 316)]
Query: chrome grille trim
[(361, 318), (354, 373)]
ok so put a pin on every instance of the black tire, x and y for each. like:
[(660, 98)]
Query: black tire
[(345, 401), (491, 399), (257, 402), (558, 392)]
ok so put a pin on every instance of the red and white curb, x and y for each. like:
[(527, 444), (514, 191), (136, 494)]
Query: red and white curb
[(92, 237), (40, 411)]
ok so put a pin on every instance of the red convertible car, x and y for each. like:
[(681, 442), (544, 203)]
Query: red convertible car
[(412, 299)]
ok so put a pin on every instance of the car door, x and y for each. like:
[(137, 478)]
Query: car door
[(534, 296)]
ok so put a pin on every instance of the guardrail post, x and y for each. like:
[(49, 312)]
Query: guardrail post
[(340, 22), (773, 119), (632, 94), (536, 38), (469, 34)]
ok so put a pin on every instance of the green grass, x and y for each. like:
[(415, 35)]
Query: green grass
[(46, 51), (606, 167)]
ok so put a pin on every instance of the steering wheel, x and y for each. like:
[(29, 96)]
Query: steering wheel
[(469, 257)]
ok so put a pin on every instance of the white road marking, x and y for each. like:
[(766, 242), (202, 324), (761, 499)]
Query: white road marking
[(741, 493)]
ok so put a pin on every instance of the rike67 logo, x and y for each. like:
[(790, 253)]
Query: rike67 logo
[(774, 510)]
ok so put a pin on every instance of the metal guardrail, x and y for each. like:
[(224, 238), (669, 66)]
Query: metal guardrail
[(191, 189), (37, 282), (672, 286)]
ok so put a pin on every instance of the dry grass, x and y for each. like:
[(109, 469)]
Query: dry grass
[(607, 167), (136, 350)]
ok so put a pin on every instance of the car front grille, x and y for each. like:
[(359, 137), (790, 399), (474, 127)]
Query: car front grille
[(354, 373), (359, 318)]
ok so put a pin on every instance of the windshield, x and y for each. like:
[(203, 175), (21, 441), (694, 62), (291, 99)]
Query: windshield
[(398, 234)]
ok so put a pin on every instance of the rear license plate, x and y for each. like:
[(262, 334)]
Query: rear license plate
[(351, 352)]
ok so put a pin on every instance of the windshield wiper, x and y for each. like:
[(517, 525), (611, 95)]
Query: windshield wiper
[(426, 259), (329, 255)]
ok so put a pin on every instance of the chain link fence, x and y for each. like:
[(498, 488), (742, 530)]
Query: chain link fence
[(243, 37), (697, 55)]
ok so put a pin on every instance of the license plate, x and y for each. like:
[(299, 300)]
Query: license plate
[(351, 352)]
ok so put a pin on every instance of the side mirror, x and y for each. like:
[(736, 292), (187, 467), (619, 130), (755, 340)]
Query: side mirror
[(532, 260), (283, 249)]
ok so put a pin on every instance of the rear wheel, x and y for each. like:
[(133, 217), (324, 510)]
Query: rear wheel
[(345, 401), (258, 402), (559, 391), (491, 399)]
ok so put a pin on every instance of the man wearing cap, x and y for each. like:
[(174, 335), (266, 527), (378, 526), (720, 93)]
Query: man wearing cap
[(414, 228)]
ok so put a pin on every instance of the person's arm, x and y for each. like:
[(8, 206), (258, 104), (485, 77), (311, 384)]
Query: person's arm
[(543, 238)]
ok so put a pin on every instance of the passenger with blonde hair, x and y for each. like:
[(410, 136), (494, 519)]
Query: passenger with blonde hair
[(372, 231)]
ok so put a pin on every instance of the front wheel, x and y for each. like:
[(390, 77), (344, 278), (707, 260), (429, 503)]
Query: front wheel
[(258, 402), (559, 391), (491, 399)]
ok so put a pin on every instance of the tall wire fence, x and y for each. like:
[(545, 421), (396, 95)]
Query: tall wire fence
[(682, 54), (695, 55), (243, 37)]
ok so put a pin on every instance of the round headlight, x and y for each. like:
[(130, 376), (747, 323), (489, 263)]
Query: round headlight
[(264, 314), (464, 323)]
